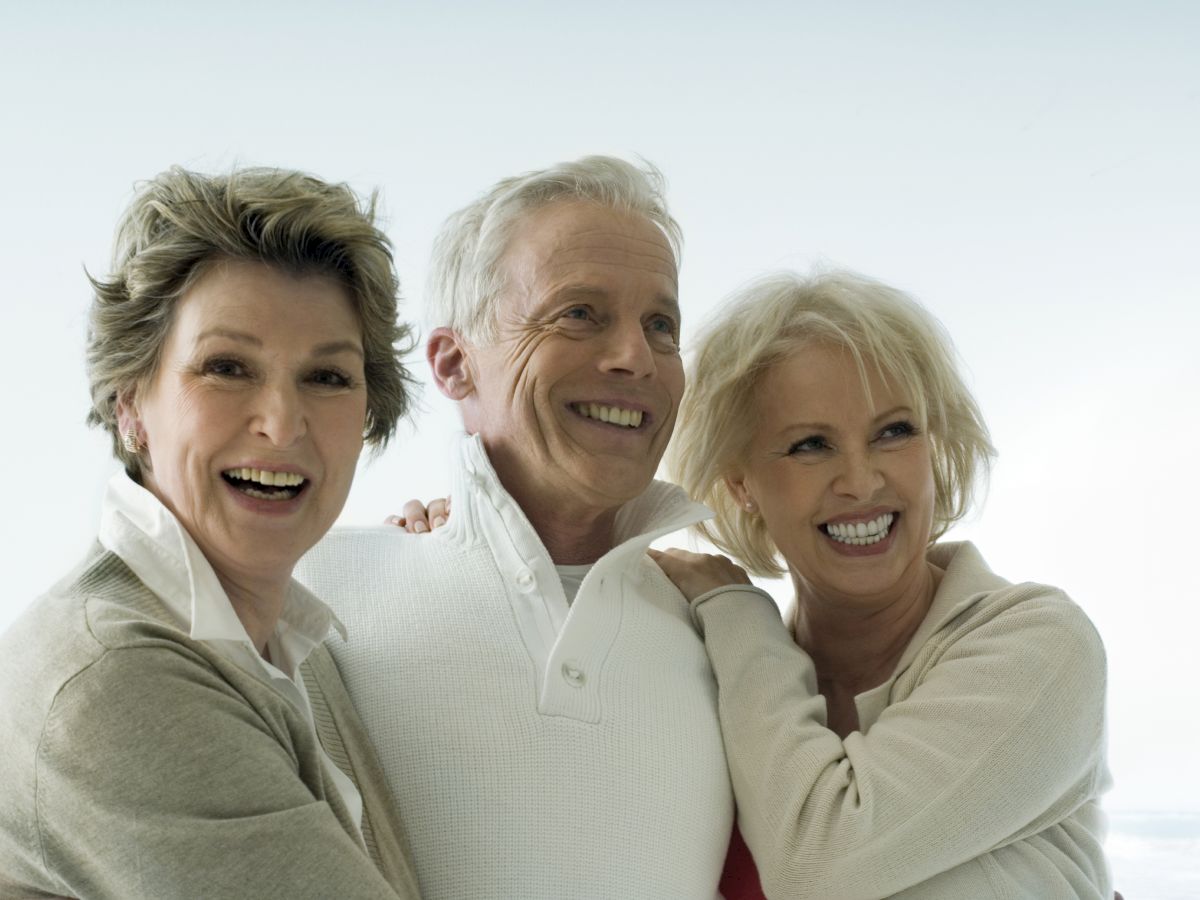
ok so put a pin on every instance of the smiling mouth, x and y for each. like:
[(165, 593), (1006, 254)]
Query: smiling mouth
[(263, 484), (860, 534), (610, 415)]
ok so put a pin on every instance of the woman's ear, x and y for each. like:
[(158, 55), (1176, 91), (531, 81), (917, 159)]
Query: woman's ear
[(735, 483), (447, 355), (129, 422)]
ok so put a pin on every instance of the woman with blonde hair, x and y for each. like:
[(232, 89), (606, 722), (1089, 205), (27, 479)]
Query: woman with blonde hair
[(919, 726), (160, 735)]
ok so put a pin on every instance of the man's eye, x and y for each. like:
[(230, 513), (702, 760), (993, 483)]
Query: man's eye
[(663, 325), (581, 313)]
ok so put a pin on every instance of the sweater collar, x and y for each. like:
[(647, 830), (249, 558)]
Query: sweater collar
[(967, 580), (659, 510)]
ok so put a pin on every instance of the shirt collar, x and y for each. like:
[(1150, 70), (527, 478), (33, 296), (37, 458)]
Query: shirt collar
[(158, 549)]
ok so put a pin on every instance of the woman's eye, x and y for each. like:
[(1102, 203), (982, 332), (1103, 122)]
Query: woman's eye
[(898, 430), (331, 378), (224, 367), (808, 445)]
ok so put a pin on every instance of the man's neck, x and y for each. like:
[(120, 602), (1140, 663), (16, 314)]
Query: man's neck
[(572, 537), (573, 531)]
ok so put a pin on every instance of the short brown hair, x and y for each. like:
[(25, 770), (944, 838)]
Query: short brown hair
[(180, 223)]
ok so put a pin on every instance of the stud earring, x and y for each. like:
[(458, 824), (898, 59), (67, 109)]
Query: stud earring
[(129, 440)]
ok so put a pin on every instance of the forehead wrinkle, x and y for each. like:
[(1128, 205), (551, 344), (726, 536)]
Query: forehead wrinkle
[(617, 258), (606, 279), (604, 240), (584, 291), (333, 348), (229, 334), (571, 242)]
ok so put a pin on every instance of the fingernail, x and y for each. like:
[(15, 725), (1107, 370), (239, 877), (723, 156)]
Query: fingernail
[(392, 520), (439, 521), (419, 527)]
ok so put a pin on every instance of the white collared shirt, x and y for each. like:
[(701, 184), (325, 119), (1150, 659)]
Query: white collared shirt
[(157, 548)]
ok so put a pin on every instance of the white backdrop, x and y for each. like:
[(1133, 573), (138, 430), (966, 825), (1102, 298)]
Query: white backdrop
[(1029, 171)]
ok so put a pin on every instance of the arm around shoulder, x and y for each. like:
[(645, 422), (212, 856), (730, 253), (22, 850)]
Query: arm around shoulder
[(992, 734)]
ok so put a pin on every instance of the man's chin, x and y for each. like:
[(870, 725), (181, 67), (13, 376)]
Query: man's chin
[(617, 484)]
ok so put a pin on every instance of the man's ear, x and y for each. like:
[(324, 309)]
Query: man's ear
[(447, 355)]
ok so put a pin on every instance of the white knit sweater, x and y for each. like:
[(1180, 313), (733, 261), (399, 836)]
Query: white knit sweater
[(977, 768), (534, 749)]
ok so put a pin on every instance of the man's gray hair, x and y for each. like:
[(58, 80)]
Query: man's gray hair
[(465, 275)]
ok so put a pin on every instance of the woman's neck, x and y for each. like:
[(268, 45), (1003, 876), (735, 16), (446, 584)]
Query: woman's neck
[(856, 644), (258, 604)]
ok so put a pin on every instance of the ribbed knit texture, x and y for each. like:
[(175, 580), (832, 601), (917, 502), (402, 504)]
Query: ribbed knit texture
[(345, 740), (137, 762), (537, 751), (977, 769)]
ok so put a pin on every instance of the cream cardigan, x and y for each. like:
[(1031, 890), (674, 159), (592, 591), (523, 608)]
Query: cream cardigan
[(977, 769)]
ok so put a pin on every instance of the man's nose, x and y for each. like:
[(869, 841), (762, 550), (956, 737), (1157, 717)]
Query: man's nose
[(628, 351)]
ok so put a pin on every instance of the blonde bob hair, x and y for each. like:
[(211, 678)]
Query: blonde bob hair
[(181, 223), (465, 276), (777, 316)]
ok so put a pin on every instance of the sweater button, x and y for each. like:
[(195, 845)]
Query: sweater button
[(525, 580), (573, 675)]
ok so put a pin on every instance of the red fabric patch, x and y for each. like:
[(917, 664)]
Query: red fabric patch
[(739, 881)]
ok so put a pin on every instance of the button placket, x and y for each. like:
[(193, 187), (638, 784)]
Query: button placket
[(573, 675)]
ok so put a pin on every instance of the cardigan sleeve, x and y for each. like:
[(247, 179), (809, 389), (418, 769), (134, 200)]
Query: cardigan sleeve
[(156, 778), (1001, 738)]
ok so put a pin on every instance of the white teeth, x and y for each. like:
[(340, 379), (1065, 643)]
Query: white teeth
[(861, 534), (263, 495), (267, 477), (613, 415)]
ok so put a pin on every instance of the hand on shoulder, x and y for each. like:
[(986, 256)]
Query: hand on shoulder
[(698, 573), (417, 518)]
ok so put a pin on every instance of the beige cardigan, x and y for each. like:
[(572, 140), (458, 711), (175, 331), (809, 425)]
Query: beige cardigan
[(137, 762), (977, 769)]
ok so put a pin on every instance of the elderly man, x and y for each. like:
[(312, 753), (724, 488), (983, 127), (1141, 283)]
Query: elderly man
[(542, 708)]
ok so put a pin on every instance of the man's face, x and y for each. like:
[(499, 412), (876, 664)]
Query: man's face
[(576, 398)]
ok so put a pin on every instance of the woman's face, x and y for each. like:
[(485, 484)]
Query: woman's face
[(252, 426), (844, 482)]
